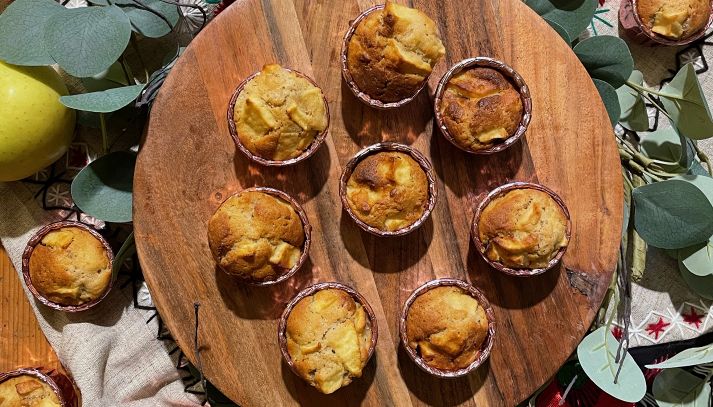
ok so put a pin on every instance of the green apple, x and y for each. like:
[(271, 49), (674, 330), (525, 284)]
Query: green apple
[(35, 128)]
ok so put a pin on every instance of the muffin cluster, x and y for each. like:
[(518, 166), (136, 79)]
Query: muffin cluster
[(388, 190), (70, 266), (392, 52), (27, 391), (480, 108), (328, 339), (278, 114), (674, 19), (256, 236), (524, 228)]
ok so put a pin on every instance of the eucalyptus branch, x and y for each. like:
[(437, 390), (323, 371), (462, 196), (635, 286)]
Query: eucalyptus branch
[(105, 135), (643, 89), (703, 157)]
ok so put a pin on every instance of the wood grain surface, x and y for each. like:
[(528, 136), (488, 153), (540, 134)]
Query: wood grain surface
[(22, 342), (188, 165)]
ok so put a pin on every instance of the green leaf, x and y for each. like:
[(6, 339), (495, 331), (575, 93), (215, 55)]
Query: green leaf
[(611, 102), (103, 189), (573, 15), (22, 28), (559, 30), (685, 102), (677, 387), (633, 108), (607, 58), (702, 286), (666, 147), (697, 259), (128, 248), (106, 101), (672, 214), (687, 357), (597, 353), (149, 24), (85, 41)]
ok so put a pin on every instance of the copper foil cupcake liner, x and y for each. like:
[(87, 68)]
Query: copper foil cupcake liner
[(640, 33), (509, 73), (487, 345), (305, 224), (309, 151), (36, 239), (60, 384), (502, 190), (377, 148), (365, 98), (282, 326)]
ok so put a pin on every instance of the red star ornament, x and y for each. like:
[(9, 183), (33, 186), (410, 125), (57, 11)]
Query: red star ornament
[(657, 328), (693, 318)]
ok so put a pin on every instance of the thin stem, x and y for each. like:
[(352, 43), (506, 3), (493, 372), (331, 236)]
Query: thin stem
[(127, 71), (651, 91), (703, 157), (656, 105), (105, 135)]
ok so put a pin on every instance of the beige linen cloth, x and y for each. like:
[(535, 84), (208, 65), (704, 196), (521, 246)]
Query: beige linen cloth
[(110, 350)]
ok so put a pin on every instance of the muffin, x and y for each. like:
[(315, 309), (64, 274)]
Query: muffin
[(70, 266), (278, 114), (392, 52), (256, 236), (328, 339), (523, 228), (388, 190), (446, 327), (480, 107), (27, 391), (674, 19)]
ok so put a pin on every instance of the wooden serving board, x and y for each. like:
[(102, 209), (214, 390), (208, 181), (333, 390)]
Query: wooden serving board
[(189, 164)]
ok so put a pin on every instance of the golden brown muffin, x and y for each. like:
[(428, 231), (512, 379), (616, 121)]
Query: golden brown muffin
[(446, 326), (388, 190), (278, 114), (328, 339), (70, 266), (675, 19), (480, 108), (393, 51), (256, 236), (27, 391), (524, 228)]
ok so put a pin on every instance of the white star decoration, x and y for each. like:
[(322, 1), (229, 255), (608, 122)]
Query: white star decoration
[(191, 18)]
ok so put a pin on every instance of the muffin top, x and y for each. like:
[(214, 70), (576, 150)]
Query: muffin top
[(388, 190), (675, 19), (524, 228), (27, 391), (446, 326), (70, 266), (480, 108), (256, 236), (279, 113), (328, 339), (393, 51)]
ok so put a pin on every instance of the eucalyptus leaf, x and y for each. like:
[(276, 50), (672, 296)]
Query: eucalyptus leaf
[(672, 214), (610, 99), (85, 41), (597, 353), (128, 248), (687, 357), (149, 24), (22, 26), (697, 169), (572, 15), (633, 108), (103, 189), (607, 58), (663, 144), (702, 286), (697, 259), (685, 102), (559, 30), (677, 387), (109, 100)]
